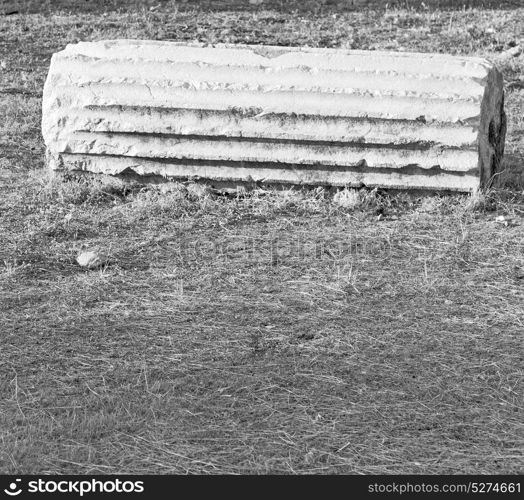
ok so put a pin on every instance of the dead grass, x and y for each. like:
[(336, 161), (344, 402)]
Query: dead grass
[(264, 331)]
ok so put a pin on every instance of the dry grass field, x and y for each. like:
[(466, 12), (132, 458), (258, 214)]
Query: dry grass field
[(267, 331)]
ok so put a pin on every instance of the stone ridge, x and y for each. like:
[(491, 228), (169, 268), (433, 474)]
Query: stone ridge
[(295, 115)]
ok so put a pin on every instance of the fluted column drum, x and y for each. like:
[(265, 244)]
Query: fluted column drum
[(274, 114)]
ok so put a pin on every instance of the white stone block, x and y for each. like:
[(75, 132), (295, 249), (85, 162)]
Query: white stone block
[(275, 114)]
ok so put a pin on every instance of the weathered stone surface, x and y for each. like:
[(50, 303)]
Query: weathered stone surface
[(275, 114)]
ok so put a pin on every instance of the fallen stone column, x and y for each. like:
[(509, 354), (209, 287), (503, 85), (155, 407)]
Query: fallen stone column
[(275, 115)]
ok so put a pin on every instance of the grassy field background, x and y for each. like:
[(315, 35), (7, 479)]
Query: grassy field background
[(261, 332)]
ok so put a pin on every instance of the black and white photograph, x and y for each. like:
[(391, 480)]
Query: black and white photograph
[(260, 238)]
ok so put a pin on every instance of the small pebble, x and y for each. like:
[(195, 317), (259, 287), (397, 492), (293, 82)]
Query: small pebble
[(91, 260), (501, 220), (514, 51)]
